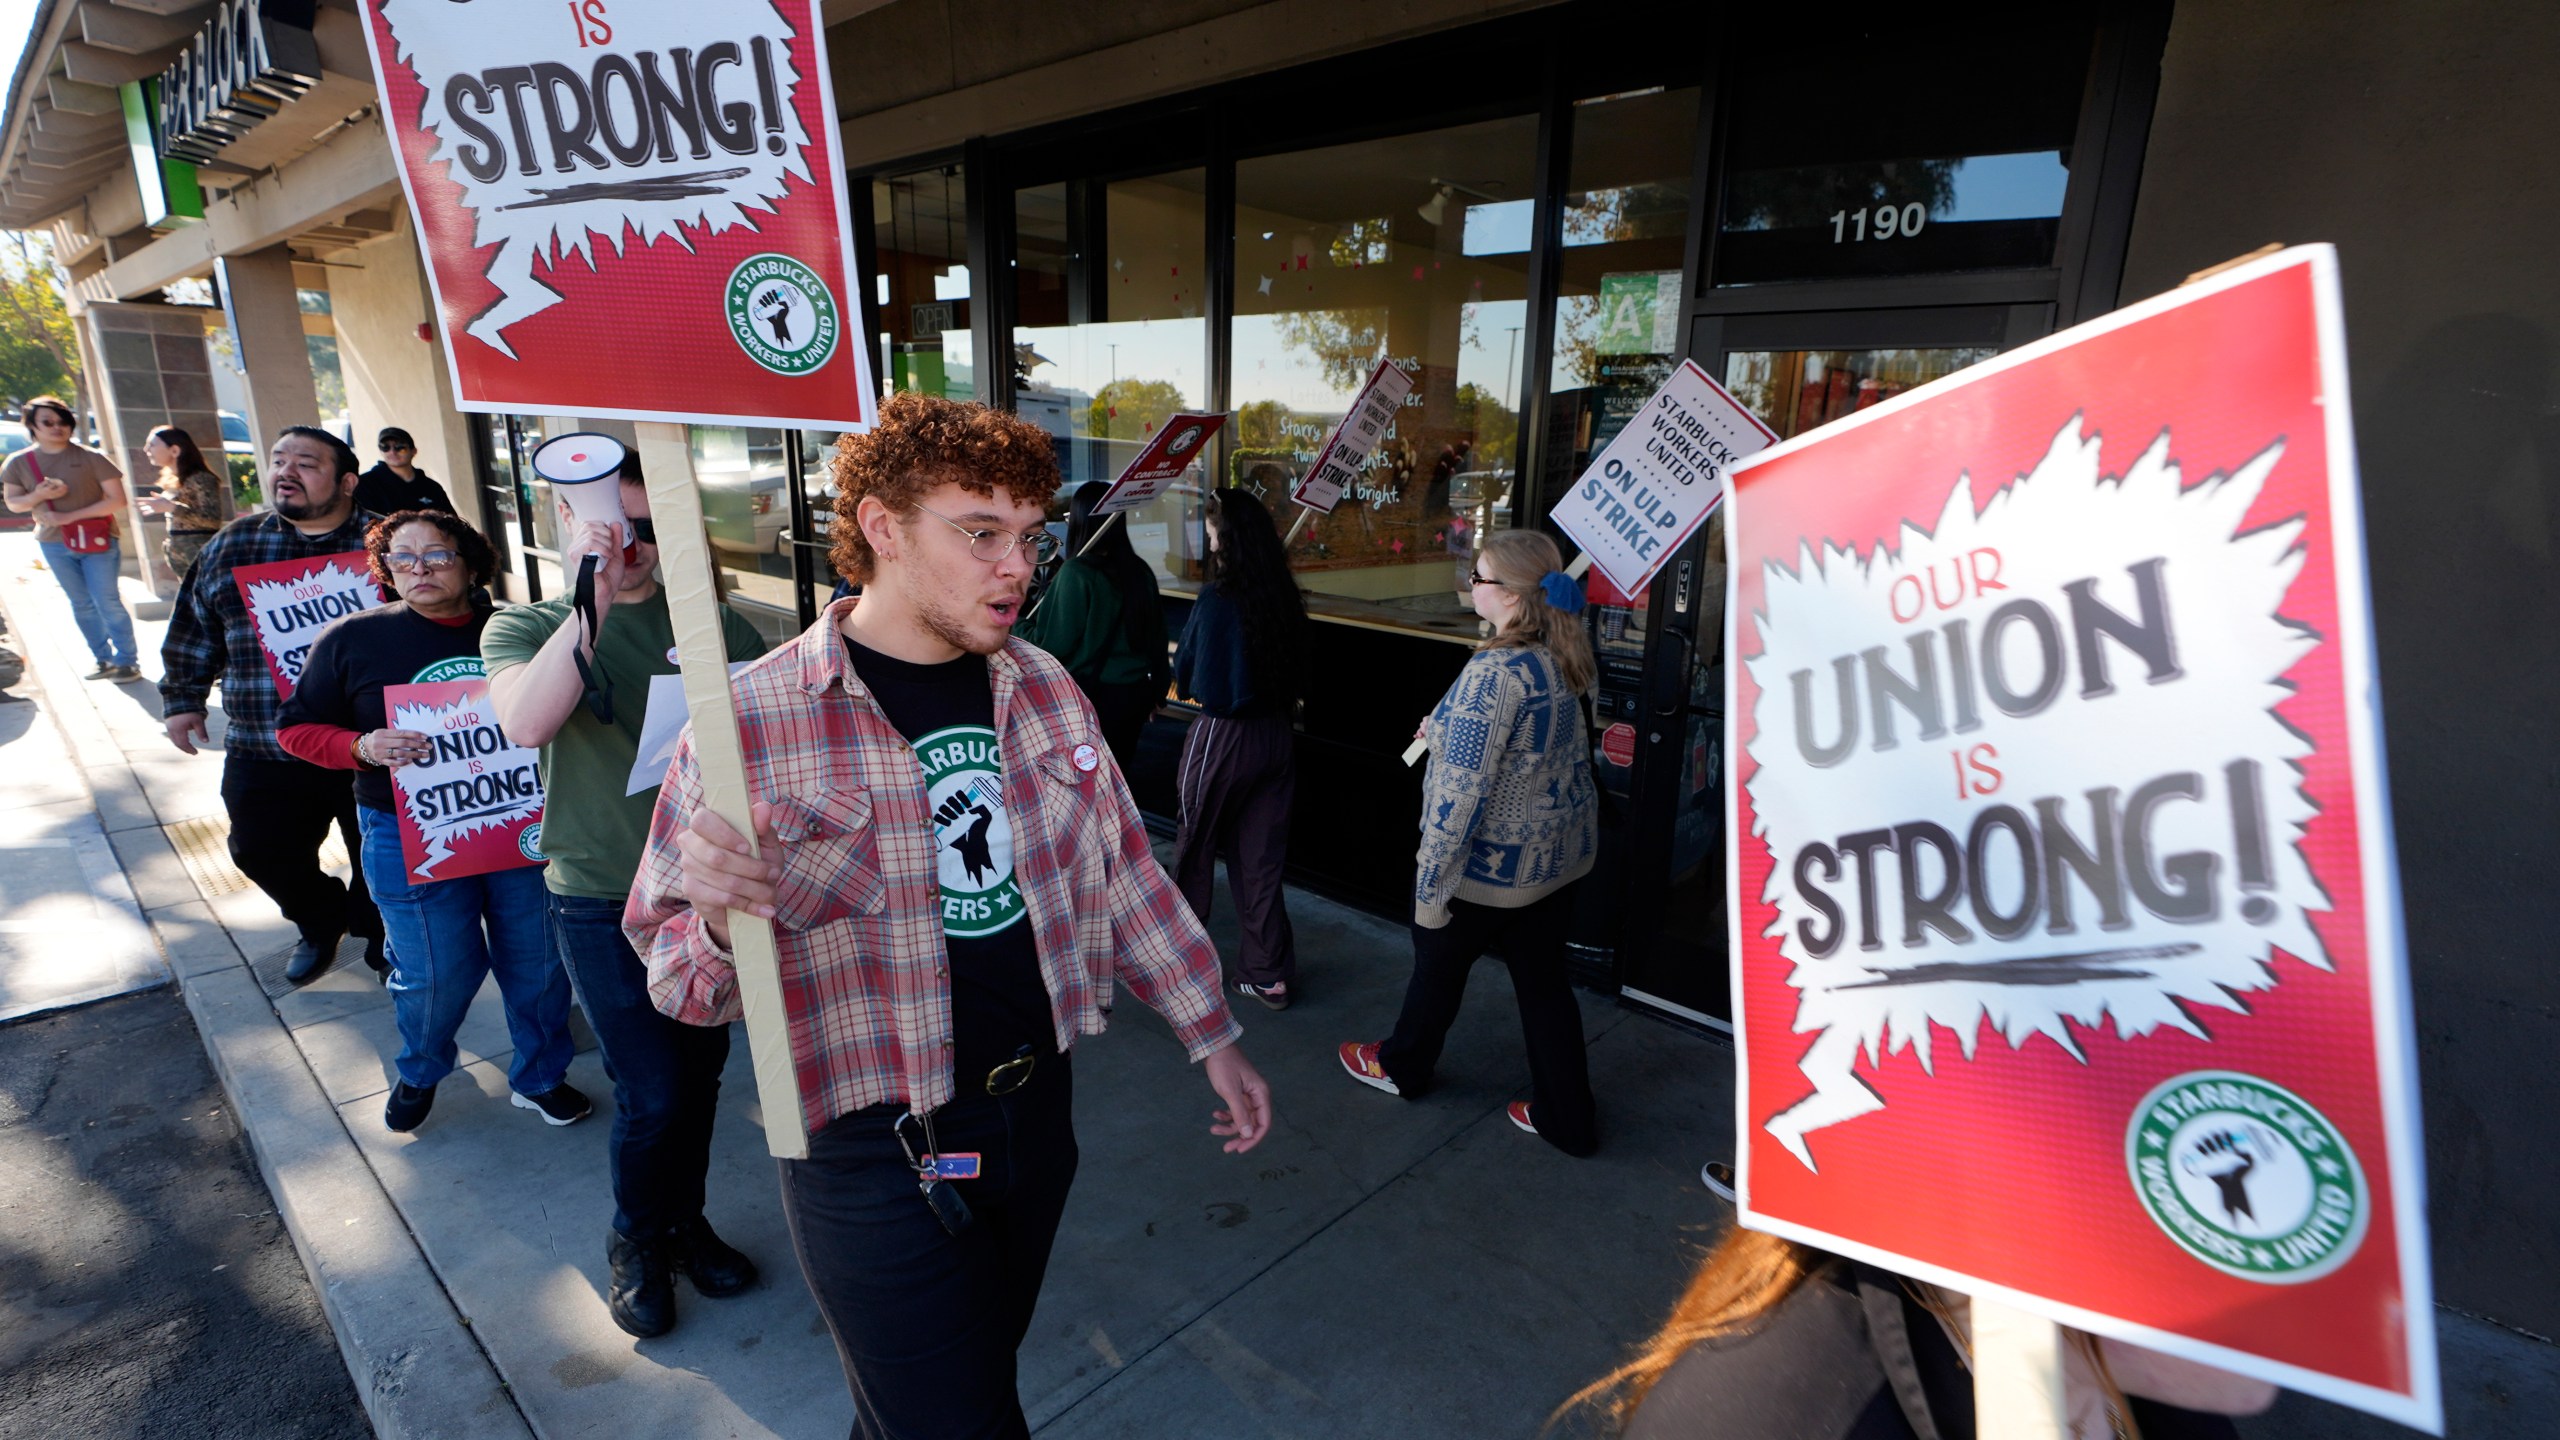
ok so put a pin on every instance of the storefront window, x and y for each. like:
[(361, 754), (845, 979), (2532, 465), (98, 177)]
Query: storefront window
[(1796, 390), (1112, 334), (1619, 322), (1415, 248), (920, 225), (745, 480), (1907, 152)]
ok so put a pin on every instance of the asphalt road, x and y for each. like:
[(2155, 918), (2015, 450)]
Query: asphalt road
[(147, 1287)]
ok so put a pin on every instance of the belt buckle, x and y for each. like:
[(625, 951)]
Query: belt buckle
[(1013, 1074)]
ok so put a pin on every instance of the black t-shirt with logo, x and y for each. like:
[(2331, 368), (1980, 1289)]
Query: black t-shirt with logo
[(947, 712), (354, 658)]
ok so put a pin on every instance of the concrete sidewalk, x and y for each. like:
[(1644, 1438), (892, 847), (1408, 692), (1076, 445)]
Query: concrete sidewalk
[(1375, 1267)]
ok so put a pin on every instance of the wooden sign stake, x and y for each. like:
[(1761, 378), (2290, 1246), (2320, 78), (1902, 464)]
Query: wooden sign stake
[(702, 648), (1297, 527), (2017, 1374)]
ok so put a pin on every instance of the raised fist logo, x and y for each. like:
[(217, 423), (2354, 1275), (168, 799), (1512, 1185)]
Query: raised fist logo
[(2226, 1157), (774, 308), (971, 843)]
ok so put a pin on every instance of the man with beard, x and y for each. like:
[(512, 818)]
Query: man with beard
[(280, 808), (935, 990)]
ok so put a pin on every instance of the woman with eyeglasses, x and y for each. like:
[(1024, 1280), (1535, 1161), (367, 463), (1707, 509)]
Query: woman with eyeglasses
[(73, 492), (395, 482), (1509, 824), (446, 936), (1241, 660)]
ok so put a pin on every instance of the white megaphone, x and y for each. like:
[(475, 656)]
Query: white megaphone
[(585, 470)]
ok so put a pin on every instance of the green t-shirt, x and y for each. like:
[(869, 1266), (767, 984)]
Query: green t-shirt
[(592, 833)]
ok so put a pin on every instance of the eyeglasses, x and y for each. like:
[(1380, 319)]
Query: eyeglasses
[(995, 546), (388, 446), (1474, 578), (422, 562)]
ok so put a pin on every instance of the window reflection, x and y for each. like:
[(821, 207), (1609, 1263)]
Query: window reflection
[(745, 482), (1625, 226), (1112, 335), (1413, 248), (1793, 391), (920, 225)]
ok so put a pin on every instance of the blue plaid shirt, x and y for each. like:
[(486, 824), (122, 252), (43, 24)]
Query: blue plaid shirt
[(209, 634)]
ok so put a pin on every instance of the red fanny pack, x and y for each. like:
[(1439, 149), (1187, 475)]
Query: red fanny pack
[(90, 536)]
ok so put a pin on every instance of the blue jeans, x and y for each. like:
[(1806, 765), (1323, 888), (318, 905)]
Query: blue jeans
[(96, 606), (447, 936), (666, 1074)]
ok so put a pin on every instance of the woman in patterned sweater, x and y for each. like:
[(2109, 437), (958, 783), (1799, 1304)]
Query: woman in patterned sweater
[(1508, 826)]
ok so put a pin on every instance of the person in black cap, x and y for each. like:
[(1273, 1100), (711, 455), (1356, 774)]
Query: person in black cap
[(395, 483)]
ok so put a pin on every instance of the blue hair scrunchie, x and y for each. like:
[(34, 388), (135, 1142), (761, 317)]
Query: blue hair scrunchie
[(1562, 591)]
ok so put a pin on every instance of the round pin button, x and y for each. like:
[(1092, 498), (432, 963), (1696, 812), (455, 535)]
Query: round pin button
[(1086, 758), (671, 655)]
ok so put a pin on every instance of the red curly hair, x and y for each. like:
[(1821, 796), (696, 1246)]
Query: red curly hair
[(921, 442)]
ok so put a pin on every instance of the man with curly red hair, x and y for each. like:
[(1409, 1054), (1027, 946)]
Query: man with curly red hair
[(956, 877)]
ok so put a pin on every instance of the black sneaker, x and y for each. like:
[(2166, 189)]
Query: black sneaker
[(120, 674), (407, 1107), (1275, 997), (642, 1295), (716, 1268), (562, 1104), (104, 671)]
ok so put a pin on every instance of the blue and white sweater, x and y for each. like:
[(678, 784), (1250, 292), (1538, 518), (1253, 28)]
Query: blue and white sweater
[(1509, 814)]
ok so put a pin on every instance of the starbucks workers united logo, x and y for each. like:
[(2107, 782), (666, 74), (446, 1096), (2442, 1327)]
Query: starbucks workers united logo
[(2247, 1177), (782, 314), (972, 830)]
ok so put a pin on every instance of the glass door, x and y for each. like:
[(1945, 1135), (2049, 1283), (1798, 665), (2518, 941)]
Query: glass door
[(1796, 372)]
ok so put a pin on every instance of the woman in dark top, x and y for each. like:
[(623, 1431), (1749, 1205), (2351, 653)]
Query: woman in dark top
[(1779, 1339), (448, 935), (1101, 618), (1239, 660), (189, 496)]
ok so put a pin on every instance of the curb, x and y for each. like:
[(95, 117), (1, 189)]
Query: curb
[(416, 1366)]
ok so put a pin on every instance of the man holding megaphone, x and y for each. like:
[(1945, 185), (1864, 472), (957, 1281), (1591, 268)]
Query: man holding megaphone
[(571, 677)]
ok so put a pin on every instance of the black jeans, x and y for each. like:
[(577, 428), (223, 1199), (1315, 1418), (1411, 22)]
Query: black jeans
[(665, 1073), (925, 1322), (1531, 941), (280, 812)]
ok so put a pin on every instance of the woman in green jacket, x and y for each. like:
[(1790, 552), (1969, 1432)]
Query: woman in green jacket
[(1102, 620)]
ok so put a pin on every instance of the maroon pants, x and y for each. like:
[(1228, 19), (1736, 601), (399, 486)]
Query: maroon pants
[(1236, 783)]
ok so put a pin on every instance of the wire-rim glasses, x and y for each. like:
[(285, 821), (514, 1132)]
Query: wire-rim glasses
[(995, 546)]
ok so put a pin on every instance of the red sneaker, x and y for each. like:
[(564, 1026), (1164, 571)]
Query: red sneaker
[(1518, 1110), (1362, 1061)]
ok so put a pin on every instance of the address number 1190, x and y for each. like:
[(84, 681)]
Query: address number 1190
[(1884, 222)]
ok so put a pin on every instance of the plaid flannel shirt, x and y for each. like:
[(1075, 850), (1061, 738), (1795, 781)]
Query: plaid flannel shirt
[(858, 924), (210, 637)]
